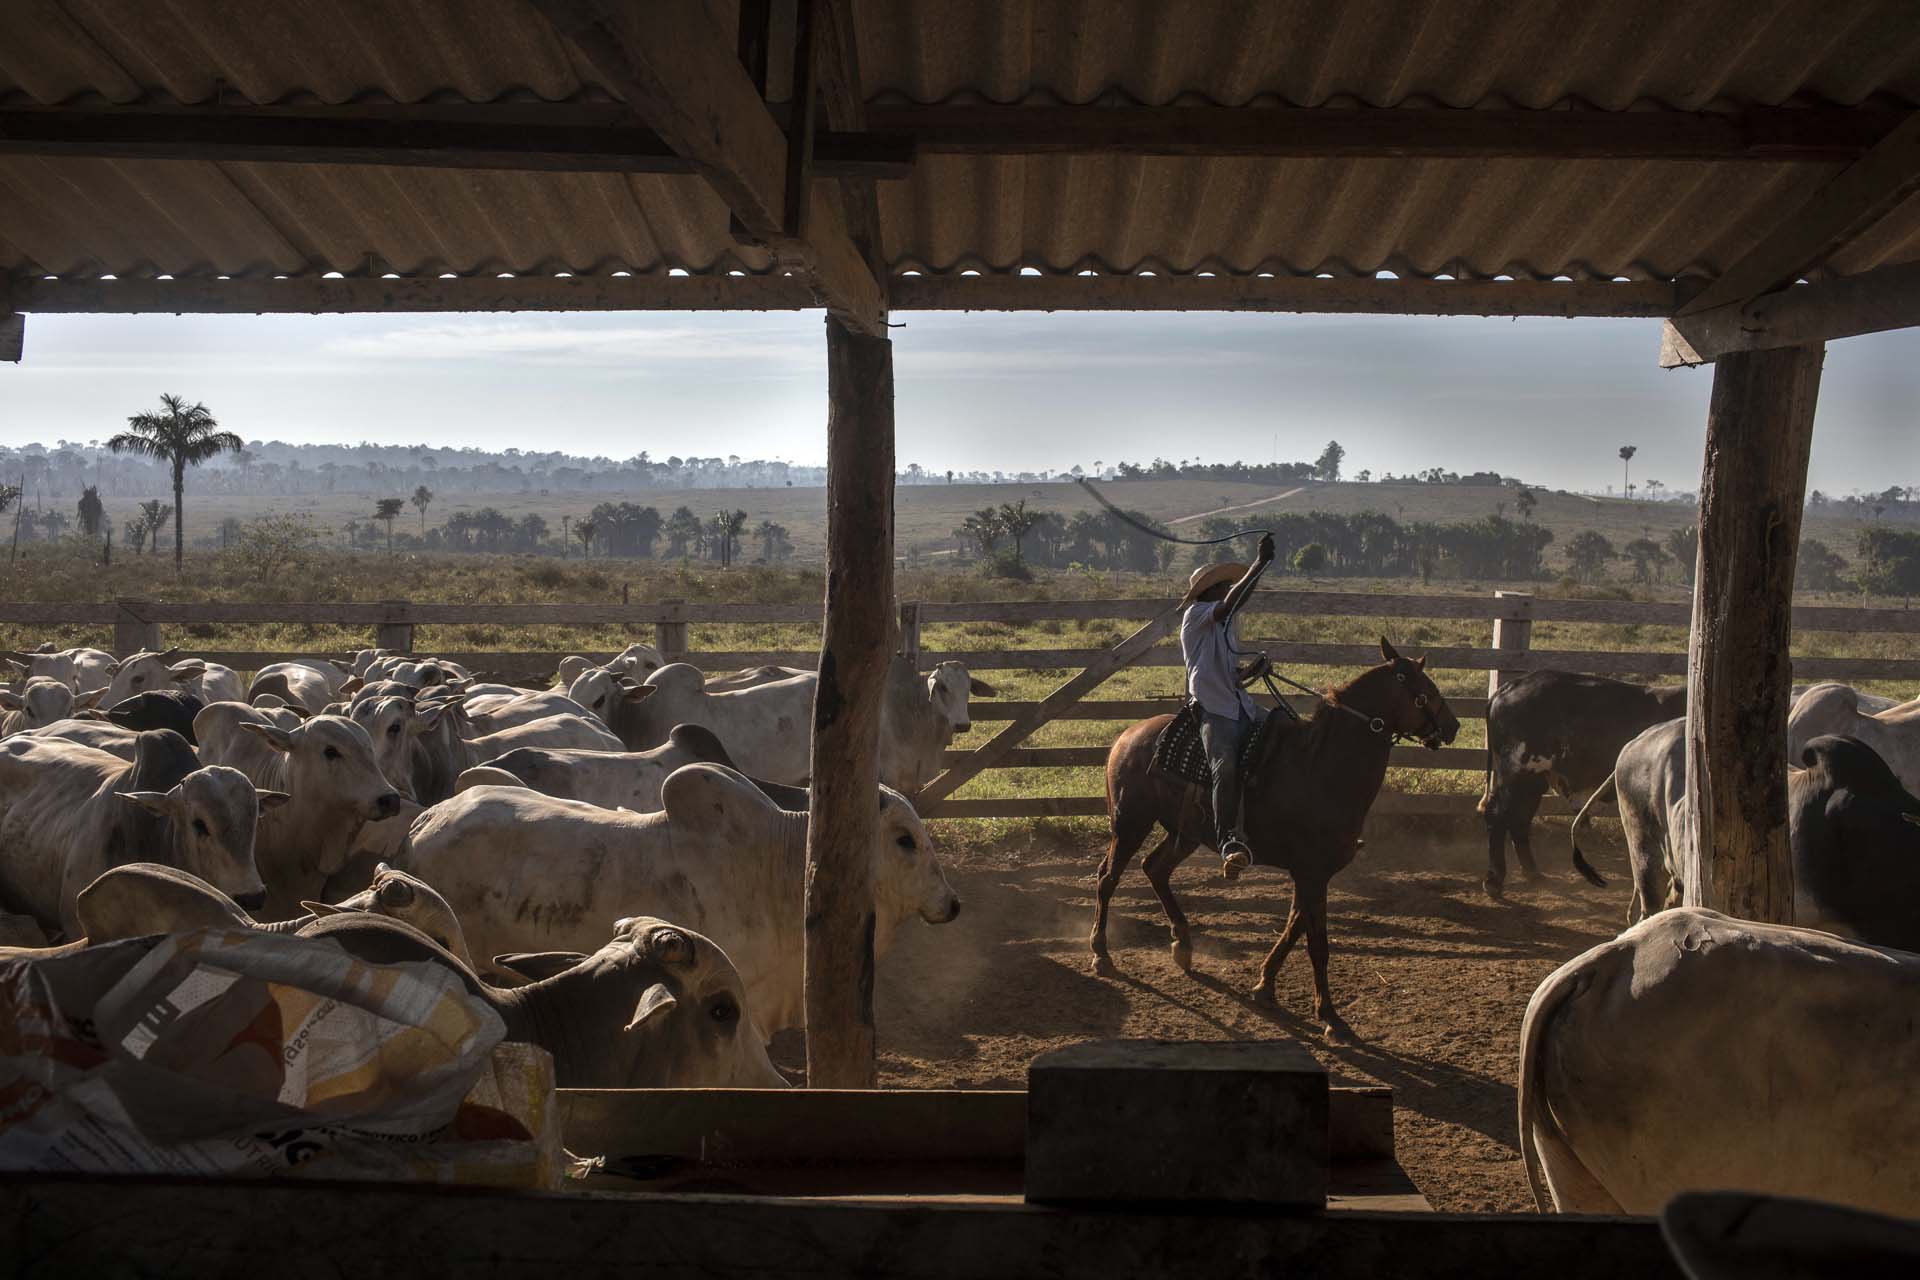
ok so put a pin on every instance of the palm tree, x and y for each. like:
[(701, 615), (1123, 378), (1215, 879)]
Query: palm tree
[(154, 515), (92, 511), (1626, 467), (422, 499), (388, 509), (585, 531), (185, 436)]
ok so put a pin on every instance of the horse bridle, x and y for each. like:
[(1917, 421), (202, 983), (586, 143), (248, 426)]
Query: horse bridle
[(1375, 724)]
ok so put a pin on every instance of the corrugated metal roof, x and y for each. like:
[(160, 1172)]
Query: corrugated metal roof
[(1529, 218)]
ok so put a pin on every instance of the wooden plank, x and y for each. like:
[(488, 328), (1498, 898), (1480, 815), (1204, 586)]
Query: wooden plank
[(1097, 671), (1141, 708), (855, 651), (1739, 672), (841, 90), (1421, 134), (208, 1229), (1080, 757), (35, 613), (13, 336), (800, 1126), (667, 61), (1388, 804), (312, 295), (802, 111), (1871, 302), (1643, 299), (564, 140), (1831, 216)]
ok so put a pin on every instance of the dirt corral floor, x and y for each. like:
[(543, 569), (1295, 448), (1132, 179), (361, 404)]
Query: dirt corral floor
[(1431, 974)]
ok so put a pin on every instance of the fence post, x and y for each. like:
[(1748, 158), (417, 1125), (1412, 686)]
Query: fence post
[(910, 633), (670, 633), (391, 633), (132, 632), (1511, 633)]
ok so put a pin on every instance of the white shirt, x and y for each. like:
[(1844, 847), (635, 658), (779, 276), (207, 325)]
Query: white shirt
[(1209, 648)]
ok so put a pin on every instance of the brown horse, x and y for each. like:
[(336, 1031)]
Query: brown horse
[(1306, 795)]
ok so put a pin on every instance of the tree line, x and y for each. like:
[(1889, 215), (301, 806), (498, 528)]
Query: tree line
[(611, 529)]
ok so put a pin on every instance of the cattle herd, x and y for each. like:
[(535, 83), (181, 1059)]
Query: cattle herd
[(1700, 1051), (616, 865)]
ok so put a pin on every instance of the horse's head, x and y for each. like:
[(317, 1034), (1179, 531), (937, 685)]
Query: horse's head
[(1418, 709)]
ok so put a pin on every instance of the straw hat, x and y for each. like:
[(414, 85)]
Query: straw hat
[(1211, 575)]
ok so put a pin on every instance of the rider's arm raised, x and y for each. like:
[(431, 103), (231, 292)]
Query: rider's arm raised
[(1238, 593)]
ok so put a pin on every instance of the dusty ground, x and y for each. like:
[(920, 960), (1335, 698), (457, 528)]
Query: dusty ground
[(1431, 974)]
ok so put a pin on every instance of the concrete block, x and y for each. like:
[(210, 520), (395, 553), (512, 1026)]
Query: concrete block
[(1222, 1122)]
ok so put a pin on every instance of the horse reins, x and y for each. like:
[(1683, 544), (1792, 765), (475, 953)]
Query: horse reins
[(1375, 724)]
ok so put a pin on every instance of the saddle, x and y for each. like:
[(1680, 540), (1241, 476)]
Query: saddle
[(1179, 751)]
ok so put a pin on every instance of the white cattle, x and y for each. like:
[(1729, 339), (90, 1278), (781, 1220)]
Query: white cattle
[(752, 677), (657, 1007), (1833, 708), (314, 680), (101, 735), (636, 660), (1696, 1051), (1649, 782), (69, 812), (628, 780), (767, 724), (327, 764), (530, 872), (767, 729), (40, 702), (491, 712), (146, 671), (423, 748), (79, 668), (140, 898)]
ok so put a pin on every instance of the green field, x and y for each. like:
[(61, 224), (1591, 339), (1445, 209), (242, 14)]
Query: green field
[(927, 514)]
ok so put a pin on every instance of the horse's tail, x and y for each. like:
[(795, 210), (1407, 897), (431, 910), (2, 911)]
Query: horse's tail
[(1610, 787)]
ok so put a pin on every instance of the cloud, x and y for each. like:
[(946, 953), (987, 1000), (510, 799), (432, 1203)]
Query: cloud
[(627, 347)]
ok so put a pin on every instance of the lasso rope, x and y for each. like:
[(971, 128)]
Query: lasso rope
[(1152, 532)]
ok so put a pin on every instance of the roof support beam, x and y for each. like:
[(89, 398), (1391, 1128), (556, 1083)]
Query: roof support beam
[(548, 140), (1653, 299), (1859, 196), (1804, 315), (677, 72), (1774, 134), (1303, 294)]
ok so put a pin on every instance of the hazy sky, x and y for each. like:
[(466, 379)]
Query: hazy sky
[(1548, 400)]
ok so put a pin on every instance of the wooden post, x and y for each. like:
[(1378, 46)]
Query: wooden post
[(670, 637), (855, 648), (395, 634), (910, 633), (1739, 675), (132, 632), (1511, 633)]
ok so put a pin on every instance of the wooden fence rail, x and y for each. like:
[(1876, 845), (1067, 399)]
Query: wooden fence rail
[(1510, 617)]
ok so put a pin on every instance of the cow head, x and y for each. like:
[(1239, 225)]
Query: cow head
[(601, 689), (948, 687), (44, 700), (391, 725), (145, 672), (399, 896), (672, 1006), (43, 662), (331, 763), (638, 660), (212, 815), (907, 877)]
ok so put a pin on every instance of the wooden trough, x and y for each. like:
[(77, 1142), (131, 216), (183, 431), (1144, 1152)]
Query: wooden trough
[(933, 1183)]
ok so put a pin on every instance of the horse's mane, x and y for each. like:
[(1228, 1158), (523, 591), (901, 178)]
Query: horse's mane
[(1311, 733)]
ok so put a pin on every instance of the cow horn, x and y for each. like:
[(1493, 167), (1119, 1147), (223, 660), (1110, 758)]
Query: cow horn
[(325, 909), (672, 946), (394, 892), (167, 654)]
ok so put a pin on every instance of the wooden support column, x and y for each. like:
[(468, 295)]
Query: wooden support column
[(1739, 675), (394, 632), (1511, 633), (670, 635), (855, 649), (13, 325), (133, 632)]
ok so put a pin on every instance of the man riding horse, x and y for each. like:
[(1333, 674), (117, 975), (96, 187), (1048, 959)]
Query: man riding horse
[(1209, 643)]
